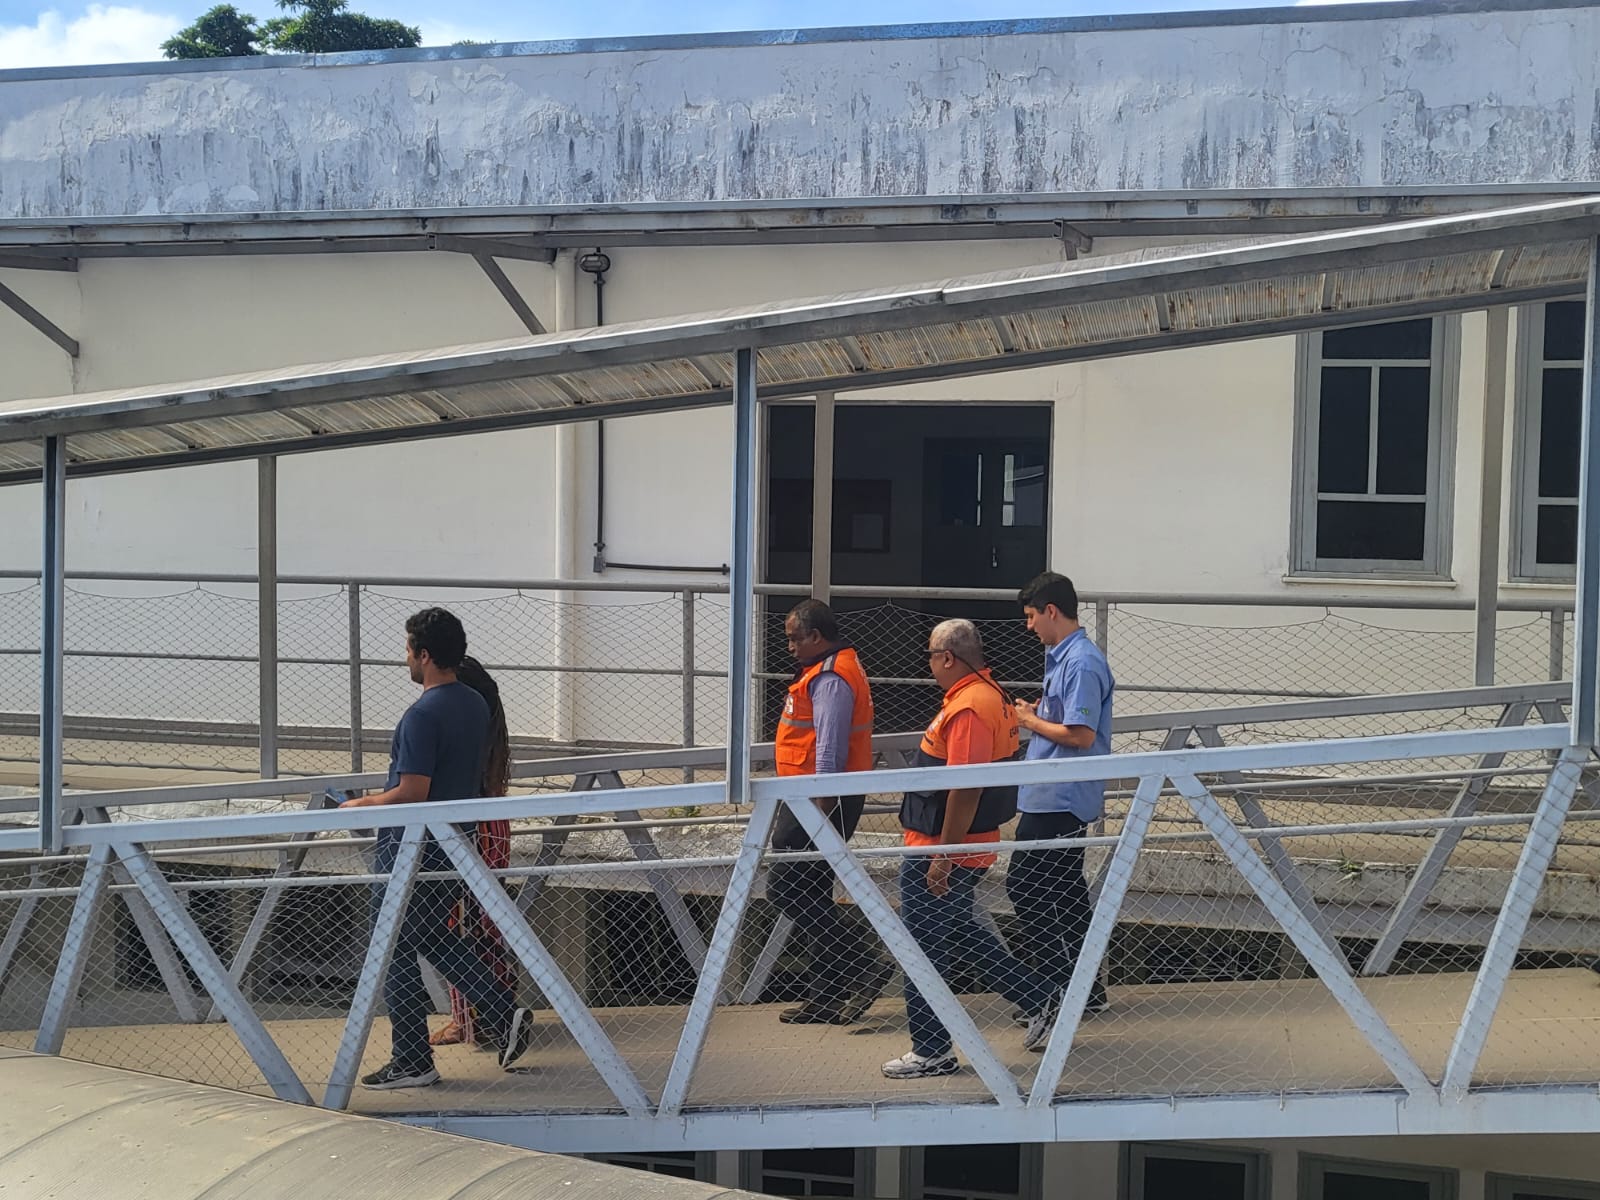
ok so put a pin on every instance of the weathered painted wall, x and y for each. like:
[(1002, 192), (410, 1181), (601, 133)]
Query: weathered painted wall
[(1420, 96)]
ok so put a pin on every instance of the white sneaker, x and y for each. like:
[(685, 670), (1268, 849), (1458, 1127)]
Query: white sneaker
[(912, 1065), (1040, 1026)]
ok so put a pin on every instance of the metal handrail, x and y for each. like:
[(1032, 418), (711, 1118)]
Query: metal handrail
[(1203, 761), (761, 754), (1508, 602)]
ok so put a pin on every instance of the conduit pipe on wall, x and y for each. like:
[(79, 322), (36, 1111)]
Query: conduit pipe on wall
[(596, 263)]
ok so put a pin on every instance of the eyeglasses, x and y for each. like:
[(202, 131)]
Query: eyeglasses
[(940, 650)]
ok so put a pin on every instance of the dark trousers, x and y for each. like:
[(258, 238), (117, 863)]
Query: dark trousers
[(425, 931), (1051, 897), (947, 929), (838, 954)]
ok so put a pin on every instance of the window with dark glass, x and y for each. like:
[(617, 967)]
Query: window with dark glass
[(1549, 419), (1004, 1171), (1341, 1179), (682, 1164), (828, 1171), (1157, 1172), (1526, 1187), (1372, 417)]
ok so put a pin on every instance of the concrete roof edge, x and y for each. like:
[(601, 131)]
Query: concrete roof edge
[(1106, 23)]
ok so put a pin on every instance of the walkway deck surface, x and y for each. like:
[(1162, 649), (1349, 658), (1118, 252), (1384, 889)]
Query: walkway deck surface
[(1178, 1039)]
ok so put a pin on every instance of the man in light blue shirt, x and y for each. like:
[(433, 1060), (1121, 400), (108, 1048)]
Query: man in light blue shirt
[(1072, 719)]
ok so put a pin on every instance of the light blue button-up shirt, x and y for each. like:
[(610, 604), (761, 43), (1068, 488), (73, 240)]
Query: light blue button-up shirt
[(1078, 688)]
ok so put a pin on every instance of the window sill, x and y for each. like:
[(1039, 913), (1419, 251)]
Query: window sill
[(1388, 581), (1539, 585)]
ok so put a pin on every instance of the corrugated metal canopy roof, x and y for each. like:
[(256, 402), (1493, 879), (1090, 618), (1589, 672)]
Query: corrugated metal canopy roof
[(1090, 308)]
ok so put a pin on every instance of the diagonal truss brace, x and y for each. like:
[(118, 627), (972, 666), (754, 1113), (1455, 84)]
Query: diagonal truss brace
[(542, 966), (1115, 881), (1512, 923), (1330, 967), (213, 975), (39, 321), (380, 950), (1437, 857), (913, 961)]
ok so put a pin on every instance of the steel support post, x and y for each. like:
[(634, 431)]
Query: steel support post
[(52, 645), (687, 676), (741, 585), (267, 606), (1586, 617), (1486, 610), (1558, 643), (822, 499), (357, 708)]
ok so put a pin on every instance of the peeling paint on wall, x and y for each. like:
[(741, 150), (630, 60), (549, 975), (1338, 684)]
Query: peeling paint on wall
[(1414, 101)]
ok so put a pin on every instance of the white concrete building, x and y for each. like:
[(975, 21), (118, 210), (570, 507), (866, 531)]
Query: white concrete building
[(1327, 533)]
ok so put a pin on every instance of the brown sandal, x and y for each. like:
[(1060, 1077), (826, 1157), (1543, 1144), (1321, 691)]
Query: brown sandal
[(453, 1034)]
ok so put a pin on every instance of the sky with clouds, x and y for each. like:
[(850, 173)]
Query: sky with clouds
[(36, 35)]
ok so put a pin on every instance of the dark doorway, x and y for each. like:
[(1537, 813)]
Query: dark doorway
[(924, 495)]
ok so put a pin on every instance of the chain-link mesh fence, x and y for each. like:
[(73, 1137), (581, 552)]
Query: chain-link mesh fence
[(162, 679), (1210, 974)]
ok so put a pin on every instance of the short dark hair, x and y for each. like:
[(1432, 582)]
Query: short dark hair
[(439, 632), (1047, 589), (813, 616)]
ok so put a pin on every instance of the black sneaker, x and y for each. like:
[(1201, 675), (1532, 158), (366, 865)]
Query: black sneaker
[(392, 1075), (870, 988), (1098, 1003), (812, 1013), (518, 1037)]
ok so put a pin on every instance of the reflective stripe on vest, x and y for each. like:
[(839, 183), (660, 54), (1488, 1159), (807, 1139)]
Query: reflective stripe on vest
[(795, 748)]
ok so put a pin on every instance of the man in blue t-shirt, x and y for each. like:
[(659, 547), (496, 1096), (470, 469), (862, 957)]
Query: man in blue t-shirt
[(438, 753), (1071, 719)]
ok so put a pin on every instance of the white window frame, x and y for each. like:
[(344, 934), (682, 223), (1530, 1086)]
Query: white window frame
[(1444, 1182), (1030, 1175), (1444, 384), (1507, 1187), (705, 1163), (1258, 1176), (753, 1170), (1524, 548)]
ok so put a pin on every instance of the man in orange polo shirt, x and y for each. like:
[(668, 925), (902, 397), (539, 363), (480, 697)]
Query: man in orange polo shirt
[(977, 723)]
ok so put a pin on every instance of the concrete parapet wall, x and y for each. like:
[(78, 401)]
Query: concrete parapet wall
[(1403, 96)]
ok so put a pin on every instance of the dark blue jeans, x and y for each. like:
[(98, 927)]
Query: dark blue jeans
[(425, 931), (947, 929), (1051, 897)]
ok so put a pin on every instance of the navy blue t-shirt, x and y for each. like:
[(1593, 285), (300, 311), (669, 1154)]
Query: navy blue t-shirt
[(445, 736)]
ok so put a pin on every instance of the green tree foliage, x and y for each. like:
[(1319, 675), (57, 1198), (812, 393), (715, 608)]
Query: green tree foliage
[(310, 27), (222, 32), (328, 26)]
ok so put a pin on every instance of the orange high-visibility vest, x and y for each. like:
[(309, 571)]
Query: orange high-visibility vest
[(923, 812), (796, 742)]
